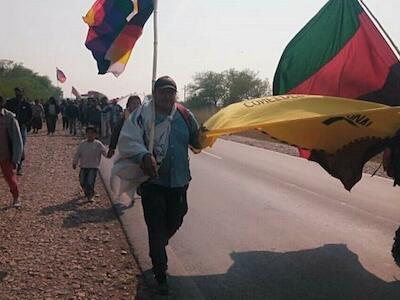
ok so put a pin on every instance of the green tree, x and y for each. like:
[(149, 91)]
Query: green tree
[(243, 85), (35, 86), (208, 88), (230, 86)]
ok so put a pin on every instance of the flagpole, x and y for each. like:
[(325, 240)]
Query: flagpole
[(154, 77), (155, 53), (395, 49), (58, 83)]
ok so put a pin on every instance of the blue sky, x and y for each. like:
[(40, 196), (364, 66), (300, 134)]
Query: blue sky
[(195, 36)]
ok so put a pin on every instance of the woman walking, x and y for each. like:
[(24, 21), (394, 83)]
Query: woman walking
[(37, 116)]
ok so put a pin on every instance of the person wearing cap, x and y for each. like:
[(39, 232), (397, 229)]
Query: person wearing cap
[(23, 111), (164, 194)]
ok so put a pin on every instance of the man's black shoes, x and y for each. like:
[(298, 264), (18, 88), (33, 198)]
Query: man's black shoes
[(162, 285)]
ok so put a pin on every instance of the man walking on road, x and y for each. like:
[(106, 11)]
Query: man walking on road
[(72, 114), (52, 110), (10, 150), (164, 194), (23, 111)]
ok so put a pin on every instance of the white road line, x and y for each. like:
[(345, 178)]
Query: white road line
[(296, 157), (210, 154)]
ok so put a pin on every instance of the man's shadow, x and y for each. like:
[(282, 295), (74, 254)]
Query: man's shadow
[(328, 272), (81, 215)]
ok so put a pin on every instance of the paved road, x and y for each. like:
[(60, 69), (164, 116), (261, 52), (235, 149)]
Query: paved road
[(264, 225)]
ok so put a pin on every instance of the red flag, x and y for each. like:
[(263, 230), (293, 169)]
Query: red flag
[(76, 93), (61, 76), (342, 53)]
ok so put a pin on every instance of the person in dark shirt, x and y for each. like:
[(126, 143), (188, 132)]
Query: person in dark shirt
[(23, 111), (63, 107), (51, 110), (94, 114), (84, 113), (72, 114), (133, 103)]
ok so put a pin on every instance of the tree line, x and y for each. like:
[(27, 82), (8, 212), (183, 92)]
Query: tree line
[(35, 86), (208, 89)]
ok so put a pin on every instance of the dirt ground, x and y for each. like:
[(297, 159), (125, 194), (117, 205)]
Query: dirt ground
[(58, 246)]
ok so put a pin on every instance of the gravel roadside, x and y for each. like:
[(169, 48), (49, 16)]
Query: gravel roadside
[(58, 246)]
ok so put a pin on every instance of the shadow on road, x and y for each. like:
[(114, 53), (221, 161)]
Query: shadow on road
[(85, 216), (72, 205), (328, 272), (79, 215)]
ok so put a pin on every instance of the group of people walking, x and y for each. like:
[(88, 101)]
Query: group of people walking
[(164, 194), (98, 112), (18, 116)]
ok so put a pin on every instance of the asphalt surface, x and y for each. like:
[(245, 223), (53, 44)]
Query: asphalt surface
[(264, 225)]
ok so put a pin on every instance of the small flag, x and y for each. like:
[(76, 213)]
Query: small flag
[(61, 76), (114, 28), (75, 92)]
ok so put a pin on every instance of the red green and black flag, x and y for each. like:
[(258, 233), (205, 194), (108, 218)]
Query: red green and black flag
[(341, 53)]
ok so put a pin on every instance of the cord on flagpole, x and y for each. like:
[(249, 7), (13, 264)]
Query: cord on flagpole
[(383, 31)]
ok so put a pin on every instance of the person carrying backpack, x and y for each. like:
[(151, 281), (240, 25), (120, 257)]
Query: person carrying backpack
[(164, 195)]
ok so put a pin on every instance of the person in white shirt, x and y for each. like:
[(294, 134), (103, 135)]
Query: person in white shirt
[(88, 155)]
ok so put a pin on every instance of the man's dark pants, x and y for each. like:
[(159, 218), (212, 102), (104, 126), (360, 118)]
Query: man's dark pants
[(65, 122), (87, 179), (164, 209), (51, 124), (72, 125)]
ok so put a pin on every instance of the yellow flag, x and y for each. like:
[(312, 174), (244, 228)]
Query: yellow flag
[(308, 122), (342, 134)]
